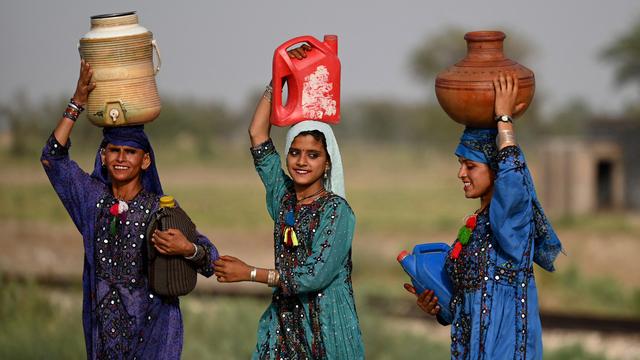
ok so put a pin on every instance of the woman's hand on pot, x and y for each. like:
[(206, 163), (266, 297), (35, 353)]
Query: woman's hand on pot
[(427, 301), (506, 88), (84, 86), (231, 269)]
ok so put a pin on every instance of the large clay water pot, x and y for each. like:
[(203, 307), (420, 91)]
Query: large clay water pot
[(120, 52), (465, 90)]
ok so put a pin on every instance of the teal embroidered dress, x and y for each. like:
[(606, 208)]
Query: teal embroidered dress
[(312, 314)]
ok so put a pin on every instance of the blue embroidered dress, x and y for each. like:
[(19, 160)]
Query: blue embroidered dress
[(495, 302), (122, 318), (312, 314)]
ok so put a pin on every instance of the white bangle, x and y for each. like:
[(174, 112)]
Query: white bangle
[(194, 254), (254, 271)]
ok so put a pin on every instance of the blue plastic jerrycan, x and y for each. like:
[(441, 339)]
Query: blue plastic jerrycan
[(425, 266)]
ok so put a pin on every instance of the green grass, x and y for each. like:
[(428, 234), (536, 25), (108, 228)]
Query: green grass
[(572, 352), (42, 323), (215, 327), (33, 327), (603, 296)]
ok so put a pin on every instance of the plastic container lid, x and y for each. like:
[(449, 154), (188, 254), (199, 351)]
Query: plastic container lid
[(167, 202)]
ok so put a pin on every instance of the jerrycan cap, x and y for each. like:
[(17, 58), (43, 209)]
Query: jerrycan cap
[(167, 202), (402, 255)]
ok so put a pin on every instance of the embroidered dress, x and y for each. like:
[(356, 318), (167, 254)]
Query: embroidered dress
[(495, 302), (312, 314), (122, 318)]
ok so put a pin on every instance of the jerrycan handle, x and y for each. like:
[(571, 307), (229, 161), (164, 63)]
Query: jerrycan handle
[(283, 65), (156, 69), (430, 248)]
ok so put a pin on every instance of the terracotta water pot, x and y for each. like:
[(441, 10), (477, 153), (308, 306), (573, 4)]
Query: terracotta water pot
[(465, 90), (120, 53)]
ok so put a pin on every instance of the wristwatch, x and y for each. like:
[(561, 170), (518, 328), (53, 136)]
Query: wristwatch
[(504, 118)]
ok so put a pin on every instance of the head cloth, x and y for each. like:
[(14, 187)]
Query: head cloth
[(335, 180), (133, 136)]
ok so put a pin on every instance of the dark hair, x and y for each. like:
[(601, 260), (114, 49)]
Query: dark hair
[(319, 136)]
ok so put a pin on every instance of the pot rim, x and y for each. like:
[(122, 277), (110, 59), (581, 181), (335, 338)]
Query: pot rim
[(485, 35), (111, 15)]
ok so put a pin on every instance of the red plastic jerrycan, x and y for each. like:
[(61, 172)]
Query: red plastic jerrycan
[(313, 83)]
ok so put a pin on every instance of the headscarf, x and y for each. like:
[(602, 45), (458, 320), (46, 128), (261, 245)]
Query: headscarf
[(133, 136), (335, 179), (480, 145)]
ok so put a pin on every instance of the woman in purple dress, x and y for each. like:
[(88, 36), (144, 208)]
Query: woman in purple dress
[(122, 317)]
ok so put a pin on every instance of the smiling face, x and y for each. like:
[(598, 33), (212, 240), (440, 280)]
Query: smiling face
[(477, 179), (124, 163), (306, 161)]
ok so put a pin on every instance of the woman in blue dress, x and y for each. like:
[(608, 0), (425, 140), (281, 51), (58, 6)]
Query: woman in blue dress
[(312, 314), (495, 300)]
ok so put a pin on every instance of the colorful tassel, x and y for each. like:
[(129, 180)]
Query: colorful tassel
[(464, 235), (290, 238), (119, 211), (457, 248)]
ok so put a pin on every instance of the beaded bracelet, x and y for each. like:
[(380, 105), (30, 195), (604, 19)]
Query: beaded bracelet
[(76, 105), (73, 110)]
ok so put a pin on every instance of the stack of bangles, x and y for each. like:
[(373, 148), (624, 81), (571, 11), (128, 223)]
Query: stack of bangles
[(73, 110), (273, 277)]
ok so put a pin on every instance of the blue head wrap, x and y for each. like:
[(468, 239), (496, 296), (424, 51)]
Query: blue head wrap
[(480, 145), (135, 137)]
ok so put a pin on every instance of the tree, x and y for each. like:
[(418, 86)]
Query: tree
[(624, 53)]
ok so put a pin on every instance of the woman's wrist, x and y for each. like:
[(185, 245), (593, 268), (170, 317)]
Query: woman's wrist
[(77, 100), (73, 110), (268, 93), (190, 251), (506, 135)]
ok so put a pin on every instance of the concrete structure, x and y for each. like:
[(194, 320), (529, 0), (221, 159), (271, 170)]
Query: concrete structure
[(596, 172)]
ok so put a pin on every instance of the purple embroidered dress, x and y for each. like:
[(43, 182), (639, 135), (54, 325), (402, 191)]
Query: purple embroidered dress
[(122, 318)]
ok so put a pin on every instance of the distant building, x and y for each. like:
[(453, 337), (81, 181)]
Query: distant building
[(598, 171)]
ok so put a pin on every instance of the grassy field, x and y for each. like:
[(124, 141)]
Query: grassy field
[(401, 197), (215, 328)]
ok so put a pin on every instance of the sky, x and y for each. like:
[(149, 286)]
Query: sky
[(222, 50)]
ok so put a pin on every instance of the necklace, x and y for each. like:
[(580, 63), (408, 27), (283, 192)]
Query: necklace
[(312, 195)]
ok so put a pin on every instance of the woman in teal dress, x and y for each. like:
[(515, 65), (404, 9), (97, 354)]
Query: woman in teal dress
[(312, 314), (495, 299)]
